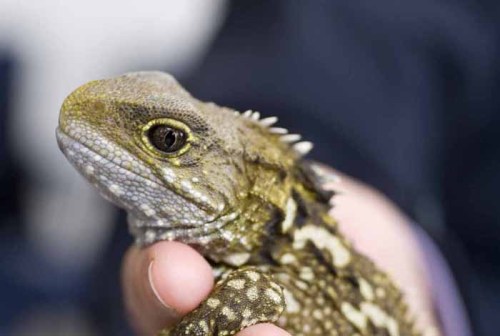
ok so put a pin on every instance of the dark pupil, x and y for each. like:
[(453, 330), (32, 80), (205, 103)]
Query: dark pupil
[(167, 139)]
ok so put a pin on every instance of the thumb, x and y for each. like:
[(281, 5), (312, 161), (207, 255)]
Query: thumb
[(163, 282)]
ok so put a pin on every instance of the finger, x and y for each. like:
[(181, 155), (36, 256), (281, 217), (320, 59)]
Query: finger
[(264, 329), (163, 282)]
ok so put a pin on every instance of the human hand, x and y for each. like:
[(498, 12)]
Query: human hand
[(165, 281)]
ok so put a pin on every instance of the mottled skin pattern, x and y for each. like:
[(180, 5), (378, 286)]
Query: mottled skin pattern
[(240, 192)]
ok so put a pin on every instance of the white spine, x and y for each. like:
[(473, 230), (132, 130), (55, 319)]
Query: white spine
[(303, 147), (268, 121), (255, 116), (278, 130), (289, 138)]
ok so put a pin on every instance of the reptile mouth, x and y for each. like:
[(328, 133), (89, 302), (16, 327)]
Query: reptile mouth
[(61, 135), (87, 158)]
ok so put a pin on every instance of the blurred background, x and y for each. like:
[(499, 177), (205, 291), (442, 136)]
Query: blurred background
[(403, 95)]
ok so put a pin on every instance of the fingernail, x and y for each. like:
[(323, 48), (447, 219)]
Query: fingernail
[(153, 287)]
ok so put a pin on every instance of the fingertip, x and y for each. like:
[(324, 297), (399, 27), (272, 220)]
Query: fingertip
[(163, 282), (179, 276), (263, 329)]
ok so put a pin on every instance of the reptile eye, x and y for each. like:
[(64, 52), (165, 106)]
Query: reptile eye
[(167, 139)]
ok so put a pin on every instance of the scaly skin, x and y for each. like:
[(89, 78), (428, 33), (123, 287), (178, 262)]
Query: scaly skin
[(240, 192)]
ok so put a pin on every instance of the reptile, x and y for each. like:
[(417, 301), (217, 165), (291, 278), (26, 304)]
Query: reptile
[(240, 191)]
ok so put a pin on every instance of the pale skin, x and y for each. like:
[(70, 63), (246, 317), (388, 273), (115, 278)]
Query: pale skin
[(165, 281)]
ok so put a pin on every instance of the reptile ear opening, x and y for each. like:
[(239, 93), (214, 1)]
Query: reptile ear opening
[(166, 138)]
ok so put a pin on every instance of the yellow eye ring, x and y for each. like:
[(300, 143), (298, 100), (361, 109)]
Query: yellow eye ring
[(166, 138)]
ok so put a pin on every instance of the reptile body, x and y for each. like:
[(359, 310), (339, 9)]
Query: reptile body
[(240, 192)]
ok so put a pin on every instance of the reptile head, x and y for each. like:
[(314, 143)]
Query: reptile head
[(176, 164)]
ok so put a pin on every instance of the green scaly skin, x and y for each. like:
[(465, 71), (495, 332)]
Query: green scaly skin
[(239, 191)]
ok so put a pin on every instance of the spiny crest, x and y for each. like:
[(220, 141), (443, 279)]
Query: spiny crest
[(301, 147)]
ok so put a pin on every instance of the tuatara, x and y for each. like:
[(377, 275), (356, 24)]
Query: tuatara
[(240, 191)]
